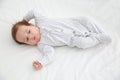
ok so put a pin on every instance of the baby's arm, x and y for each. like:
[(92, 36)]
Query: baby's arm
[(30, 15), (34, 14), (48, 53)]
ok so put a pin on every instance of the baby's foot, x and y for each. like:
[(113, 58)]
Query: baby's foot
[(103, 38)]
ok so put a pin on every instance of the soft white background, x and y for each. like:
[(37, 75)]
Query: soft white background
[(105, 11), (94, 64)]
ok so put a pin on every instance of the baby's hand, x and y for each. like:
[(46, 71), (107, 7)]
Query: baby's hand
[(37, 65)]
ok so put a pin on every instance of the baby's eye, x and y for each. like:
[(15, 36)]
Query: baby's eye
[(29, 32)]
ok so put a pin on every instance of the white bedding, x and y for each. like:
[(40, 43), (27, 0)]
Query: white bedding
[(99, 63)]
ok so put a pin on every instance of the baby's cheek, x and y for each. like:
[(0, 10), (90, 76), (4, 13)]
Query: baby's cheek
[(33, 42)]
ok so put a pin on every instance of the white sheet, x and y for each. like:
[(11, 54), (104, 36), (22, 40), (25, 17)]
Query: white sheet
[(99, 63)]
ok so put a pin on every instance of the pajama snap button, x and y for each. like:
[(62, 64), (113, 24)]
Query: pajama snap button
[(85, 32), (73, 31), (87, 36)]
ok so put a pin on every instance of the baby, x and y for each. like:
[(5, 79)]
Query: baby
[(47, 33)]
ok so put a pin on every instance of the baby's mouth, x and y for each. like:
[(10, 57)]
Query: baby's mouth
[(34, 37)]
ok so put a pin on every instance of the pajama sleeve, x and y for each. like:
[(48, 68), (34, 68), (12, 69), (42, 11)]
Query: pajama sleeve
[(48, 53), (34, 14)]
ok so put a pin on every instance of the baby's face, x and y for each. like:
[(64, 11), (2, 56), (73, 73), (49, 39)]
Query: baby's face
[(28, 34)]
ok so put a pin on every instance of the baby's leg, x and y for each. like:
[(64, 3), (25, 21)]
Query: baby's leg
[(91, 25), (96, 30), (96, 35), (90, 41)]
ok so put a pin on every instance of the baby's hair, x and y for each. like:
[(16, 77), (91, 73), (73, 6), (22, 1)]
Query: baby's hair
[(16, 27)]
